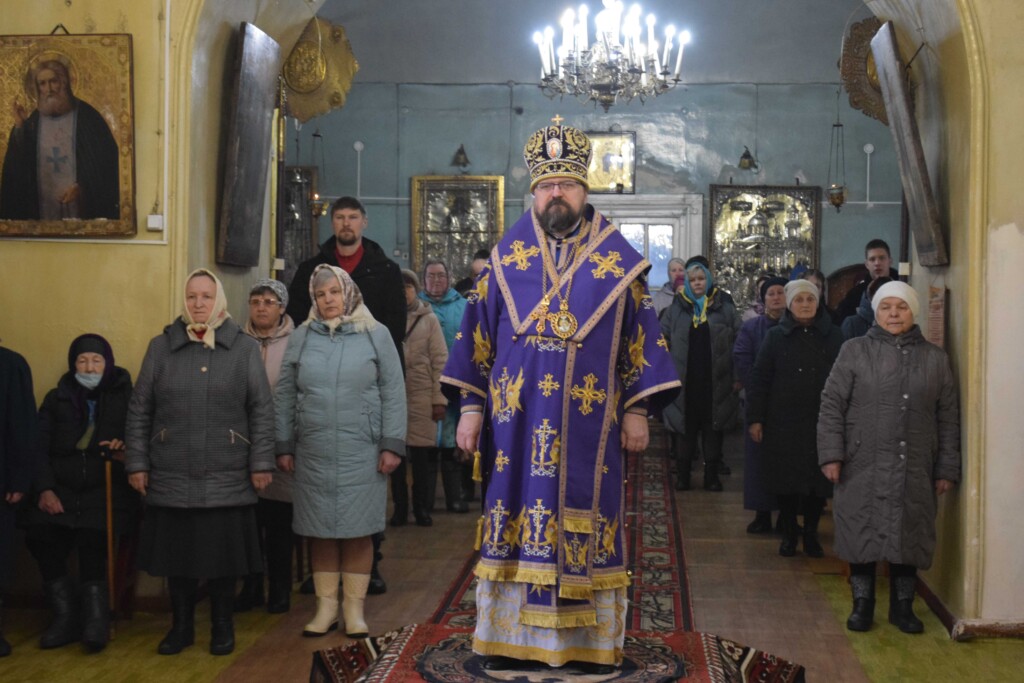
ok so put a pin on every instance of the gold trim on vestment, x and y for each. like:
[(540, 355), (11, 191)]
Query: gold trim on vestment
[(611, 656)]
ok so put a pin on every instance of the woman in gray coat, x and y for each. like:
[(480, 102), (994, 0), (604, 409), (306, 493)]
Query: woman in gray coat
[(341, 420), (889, 439), (200, 444)]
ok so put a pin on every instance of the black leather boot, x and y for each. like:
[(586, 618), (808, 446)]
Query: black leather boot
[(279, 596), (424, 484), (64, 627), (95, 615), (377, 585), (762, 523), (812, 546), (5, 647), (251, 594), (789, 535), (862, 587), (400, 495), (682, 465), (711, 480), (222, 626), (451, 480), (183, 605), (901, 604)]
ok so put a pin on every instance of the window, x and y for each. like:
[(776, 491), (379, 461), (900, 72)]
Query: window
[(654, 241)]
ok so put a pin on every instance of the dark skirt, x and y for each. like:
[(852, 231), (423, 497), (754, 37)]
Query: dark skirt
[(200, 543)]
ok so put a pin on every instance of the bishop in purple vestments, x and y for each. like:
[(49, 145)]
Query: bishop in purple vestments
[(558, 363)]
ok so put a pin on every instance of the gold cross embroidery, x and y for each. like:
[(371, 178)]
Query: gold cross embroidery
[(606, 264), (587, 394), (500, 461), (548, 385), (521, 257), (662, 342), (557, 120), (458, 335)]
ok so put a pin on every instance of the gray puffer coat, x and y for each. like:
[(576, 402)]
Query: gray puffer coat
[(340, 401), (724, 323), (889, 413), (201, 420)]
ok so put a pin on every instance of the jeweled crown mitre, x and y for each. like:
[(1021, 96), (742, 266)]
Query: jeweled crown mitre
[(557, 151)]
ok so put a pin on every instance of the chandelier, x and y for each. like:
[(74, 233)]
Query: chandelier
[(622, 61)]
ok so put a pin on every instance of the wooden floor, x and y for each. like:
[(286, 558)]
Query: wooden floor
[(742, 589)]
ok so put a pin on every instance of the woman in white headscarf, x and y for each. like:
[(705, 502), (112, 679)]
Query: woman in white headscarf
[(200, 444), (889, 438), (341, 419)]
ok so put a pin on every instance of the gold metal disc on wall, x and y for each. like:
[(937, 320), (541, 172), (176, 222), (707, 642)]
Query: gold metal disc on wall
[(319, 71), (858, 72)]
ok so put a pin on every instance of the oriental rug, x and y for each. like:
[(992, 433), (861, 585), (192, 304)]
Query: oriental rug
[(432, 653)]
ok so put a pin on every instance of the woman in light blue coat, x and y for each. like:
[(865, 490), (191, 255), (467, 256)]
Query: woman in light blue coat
[(341, 428)]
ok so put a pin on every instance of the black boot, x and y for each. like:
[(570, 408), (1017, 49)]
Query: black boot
[(222, 626), (762, 523), (682, 465), (183, 605), (95, 615), (377, 585), (424, 484), (64, 628), (862, 587), (5, 647), (400, 495), (789, 535), (812, 546), (279, 596), (251, 594), (724, 469), (901, 604), (711, 480), (451, 480)]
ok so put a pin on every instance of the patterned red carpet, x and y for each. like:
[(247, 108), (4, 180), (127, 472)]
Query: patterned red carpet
[(660, 645)]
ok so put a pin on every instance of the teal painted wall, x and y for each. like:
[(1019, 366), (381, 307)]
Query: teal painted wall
[(687, 139)]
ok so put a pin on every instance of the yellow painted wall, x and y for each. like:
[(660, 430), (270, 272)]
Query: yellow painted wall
[(55, 290)]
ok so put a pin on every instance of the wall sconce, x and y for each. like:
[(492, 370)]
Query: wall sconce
[(747, 161), (461, 159)]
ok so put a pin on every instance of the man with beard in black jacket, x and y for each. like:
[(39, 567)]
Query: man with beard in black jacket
[(379, 280)]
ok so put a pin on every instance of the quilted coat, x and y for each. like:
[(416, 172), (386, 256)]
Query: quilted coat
[(889, 413), (449, 311), (201, 420), (724, 323), (340, 401), (425, 356)]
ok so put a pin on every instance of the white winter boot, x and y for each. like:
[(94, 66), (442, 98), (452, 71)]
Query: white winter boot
[(326, 586), (354, 587)]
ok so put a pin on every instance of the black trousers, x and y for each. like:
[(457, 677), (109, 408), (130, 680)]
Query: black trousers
[(895, 570), (51, 544), (711, 442), (274, 520)]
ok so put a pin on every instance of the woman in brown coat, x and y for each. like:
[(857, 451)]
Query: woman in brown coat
[(889, 439), (425, 356)]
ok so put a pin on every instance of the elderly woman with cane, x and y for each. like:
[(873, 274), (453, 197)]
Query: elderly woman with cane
[(83, 498)]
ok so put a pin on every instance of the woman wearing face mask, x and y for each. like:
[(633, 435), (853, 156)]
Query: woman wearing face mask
[(701, 326), (82, 425), (200, 440)]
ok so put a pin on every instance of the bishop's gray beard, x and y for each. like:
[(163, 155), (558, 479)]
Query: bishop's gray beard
[(558, 218)]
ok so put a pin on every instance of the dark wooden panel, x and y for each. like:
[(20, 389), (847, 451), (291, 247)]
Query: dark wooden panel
[(247, 160), (924, 212)]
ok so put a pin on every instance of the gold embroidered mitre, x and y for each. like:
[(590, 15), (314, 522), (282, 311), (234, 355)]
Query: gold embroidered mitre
[(557, 152)]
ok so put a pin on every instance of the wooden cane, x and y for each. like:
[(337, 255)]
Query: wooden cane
[(110, 545)]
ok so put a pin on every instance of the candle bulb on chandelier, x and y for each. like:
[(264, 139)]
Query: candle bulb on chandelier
[(583, 37), (549, 36), (684, 38), (670, 31), (652, 45), (538, 39)]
